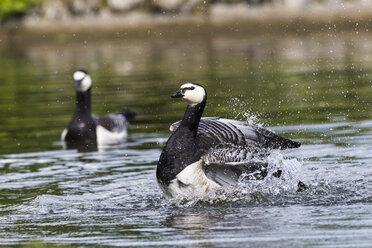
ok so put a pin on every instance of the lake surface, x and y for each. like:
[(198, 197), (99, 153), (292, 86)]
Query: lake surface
[(313, 88)]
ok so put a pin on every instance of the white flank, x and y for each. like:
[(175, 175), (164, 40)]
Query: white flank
[(190, 182), (63, 135), (105, 137)]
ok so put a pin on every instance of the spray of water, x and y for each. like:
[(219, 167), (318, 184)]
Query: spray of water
[(270, 190), (241, 112)]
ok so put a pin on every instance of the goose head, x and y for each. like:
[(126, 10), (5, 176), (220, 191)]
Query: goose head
[(83, 82), (192, 93)]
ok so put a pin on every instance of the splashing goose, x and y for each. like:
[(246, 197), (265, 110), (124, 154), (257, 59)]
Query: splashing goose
[(87, 130), (212, 152)]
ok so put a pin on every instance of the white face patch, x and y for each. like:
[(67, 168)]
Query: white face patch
[(79, 75), (193, 96), (86, 81)]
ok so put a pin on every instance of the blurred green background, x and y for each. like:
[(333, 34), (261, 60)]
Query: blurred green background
[(269, 80)]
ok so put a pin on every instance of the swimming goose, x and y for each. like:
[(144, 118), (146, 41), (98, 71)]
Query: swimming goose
[(212, 152), (90, 130)]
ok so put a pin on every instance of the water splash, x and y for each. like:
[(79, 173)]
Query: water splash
[(241, 112), (269, 191)]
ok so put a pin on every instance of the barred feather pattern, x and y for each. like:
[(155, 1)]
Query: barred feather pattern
[(214, 130), (223, 155), (227, 165)]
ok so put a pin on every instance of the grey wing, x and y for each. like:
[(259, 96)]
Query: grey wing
[(215, 130), (212, 131), (227, 165), (175, 125), (261, 137), (112, 122)]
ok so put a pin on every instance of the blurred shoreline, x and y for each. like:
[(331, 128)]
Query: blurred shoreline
[(299, 18)]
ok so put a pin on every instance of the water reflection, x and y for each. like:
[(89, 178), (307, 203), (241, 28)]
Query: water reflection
[(194, 226), (224, 225), (81, 146)]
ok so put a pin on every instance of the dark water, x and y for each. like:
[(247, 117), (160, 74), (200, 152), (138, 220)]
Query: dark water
[(316, 89)]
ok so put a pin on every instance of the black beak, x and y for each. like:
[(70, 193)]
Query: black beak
[(77, 83), (177, 94)]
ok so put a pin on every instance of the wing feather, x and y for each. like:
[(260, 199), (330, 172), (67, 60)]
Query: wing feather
[(227, 165), (112, 122), (214, 130)]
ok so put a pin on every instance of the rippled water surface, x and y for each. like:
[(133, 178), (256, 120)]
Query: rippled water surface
[(315, 89)]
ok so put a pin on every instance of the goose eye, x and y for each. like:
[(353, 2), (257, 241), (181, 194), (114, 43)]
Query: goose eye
[(192, 87)]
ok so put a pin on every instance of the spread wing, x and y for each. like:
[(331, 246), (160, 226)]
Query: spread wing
[(226, 165), (214, 130)]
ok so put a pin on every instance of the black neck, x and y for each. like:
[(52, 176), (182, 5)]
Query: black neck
[(181, 149), (83, 102), (192, 117)]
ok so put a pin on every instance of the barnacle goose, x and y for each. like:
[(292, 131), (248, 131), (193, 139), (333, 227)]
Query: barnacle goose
[(89, 131), (212, 152)]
